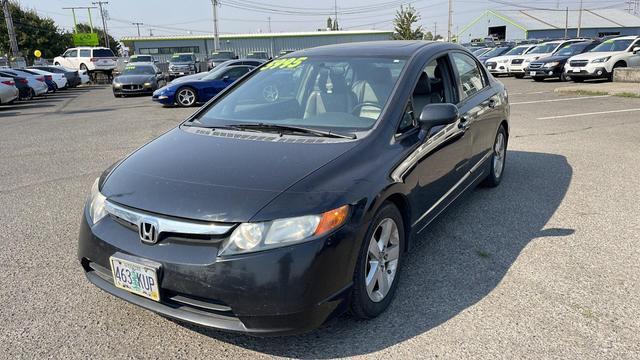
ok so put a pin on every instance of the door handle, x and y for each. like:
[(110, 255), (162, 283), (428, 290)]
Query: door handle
[(463, 123), (491, 103)]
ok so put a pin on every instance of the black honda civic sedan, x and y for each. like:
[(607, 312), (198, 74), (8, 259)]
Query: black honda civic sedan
[(295, 194)]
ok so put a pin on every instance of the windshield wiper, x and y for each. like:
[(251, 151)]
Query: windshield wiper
[(298, 129), (197, 124)]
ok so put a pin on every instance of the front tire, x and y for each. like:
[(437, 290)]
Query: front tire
[(519, 76), (186, 97), (497, 159), (379, 262), (538, 79)]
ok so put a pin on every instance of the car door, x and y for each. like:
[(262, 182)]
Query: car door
[(67, 56), (634, 59), (478, 102), (225, 79), (441, 159)]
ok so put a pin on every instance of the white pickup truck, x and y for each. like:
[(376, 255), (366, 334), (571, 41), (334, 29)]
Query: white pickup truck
[(600, 62)]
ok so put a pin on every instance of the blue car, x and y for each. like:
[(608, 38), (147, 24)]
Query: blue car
[(190, 93)]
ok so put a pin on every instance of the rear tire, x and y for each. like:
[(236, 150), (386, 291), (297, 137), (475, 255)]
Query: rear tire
[(577, 80), (519, 76), (377, 273), (538, 79), (564, 77), (497, 159)]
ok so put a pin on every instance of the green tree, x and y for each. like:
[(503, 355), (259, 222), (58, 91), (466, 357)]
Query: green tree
[(403, 24), (114, 45), (428, 36), (33, 33)]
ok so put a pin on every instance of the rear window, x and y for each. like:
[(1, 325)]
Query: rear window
[(102, 53), (223, 55), (613, 45)]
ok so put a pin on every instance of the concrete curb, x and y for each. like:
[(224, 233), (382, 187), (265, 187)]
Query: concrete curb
[(610, 88)]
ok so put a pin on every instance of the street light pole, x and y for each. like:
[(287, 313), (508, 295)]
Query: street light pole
[(449, 24), (137, 24), (216, 36), (579, 19)]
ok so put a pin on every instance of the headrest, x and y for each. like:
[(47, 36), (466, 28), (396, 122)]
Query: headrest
[(338, 82), (321, 79), (380, 75), (423, 87)]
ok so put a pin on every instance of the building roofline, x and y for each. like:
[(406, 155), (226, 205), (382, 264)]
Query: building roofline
[(257, 35)]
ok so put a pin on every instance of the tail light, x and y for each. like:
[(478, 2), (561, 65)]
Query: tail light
[(48, 77), (22, 81), (40, 79), (92, 59), (9, 82)]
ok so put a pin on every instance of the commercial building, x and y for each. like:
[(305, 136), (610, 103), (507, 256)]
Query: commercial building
[(242, 44), (549, 24)]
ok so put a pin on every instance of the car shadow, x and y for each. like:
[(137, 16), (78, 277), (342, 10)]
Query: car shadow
[(458, 261)]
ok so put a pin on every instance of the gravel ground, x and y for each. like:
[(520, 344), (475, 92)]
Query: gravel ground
[(545, 266)]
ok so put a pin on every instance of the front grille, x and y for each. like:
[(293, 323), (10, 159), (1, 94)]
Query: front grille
[(517, 61), (578, 63), (535, 65), (132, 87)]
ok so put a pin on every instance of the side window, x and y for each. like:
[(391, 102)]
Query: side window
[(236, 72), (471, 78), (85, 53), (635, 45), (72, 53)]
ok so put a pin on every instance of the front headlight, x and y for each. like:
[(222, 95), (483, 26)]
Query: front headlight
[(116, 85), (147, 84), (551, 64), (96, 202), (252, 237), (601, 60)]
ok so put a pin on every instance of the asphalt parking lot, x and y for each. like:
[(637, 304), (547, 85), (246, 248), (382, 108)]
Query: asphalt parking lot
[(545, 266)]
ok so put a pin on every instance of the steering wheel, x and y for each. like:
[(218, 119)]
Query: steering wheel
[(366, 103), (270, 93)]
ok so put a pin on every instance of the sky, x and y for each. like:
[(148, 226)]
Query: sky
[(178, 17)]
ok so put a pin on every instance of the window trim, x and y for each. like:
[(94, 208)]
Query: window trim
[(486, 83)]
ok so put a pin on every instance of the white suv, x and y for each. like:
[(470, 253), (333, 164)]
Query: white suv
[(519, 65), (90, 59), (499, 65), (603, 59)]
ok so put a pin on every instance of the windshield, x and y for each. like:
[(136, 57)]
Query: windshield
[(102, 53), (258, 55), (215, 73), (141, 58), (496, 52), (480, 51), (222, 55), (517, 50), (544, 48), (571, 50), (320, 92), (138, 70), (613, 45), (181, 58)]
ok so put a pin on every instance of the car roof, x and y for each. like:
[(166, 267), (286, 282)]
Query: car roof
[(629, 37), (138, 63), (403, 48)]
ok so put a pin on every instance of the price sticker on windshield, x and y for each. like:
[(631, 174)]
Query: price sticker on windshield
[(285, 63)]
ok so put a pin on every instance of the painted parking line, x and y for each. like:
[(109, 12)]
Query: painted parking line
[(558, 100), (588, 114), (530, 93)]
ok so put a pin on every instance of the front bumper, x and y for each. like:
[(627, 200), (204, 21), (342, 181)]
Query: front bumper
[(277, 292), (498, 68), (134, 89), (588, 72), (165, 98), (545, 72), (182, 72)]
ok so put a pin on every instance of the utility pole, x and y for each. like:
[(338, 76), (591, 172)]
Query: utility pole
[(150, 32), (435, 30), (566, 23), (104, 23), (216, 36), (12, 34), (579, 19), (269, 20), (335, 14), (137, 24), (450, 20)]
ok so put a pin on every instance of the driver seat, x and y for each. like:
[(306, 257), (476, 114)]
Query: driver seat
[(338, 98)]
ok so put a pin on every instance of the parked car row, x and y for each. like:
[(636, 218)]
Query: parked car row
[(27, 83), (567, 59), (182, 88)]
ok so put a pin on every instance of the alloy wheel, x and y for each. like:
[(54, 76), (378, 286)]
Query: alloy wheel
[(186, 97), (382, 260), (498, 155)]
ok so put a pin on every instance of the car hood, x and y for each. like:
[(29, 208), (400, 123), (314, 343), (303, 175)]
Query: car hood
[(532, 57), (553, 58), (182, 79), (133, 79), (181, 63), (192, 173), (594, 55), (502, 57)]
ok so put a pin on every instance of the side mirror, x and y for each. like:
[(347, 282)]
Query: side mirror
[(636, 49), (226, 78), (126, 61), (438, 114)]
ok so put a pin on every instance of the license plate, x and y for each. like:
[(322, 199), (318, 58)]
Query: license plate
[(135, 277), (576, 70), (532, 73)]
